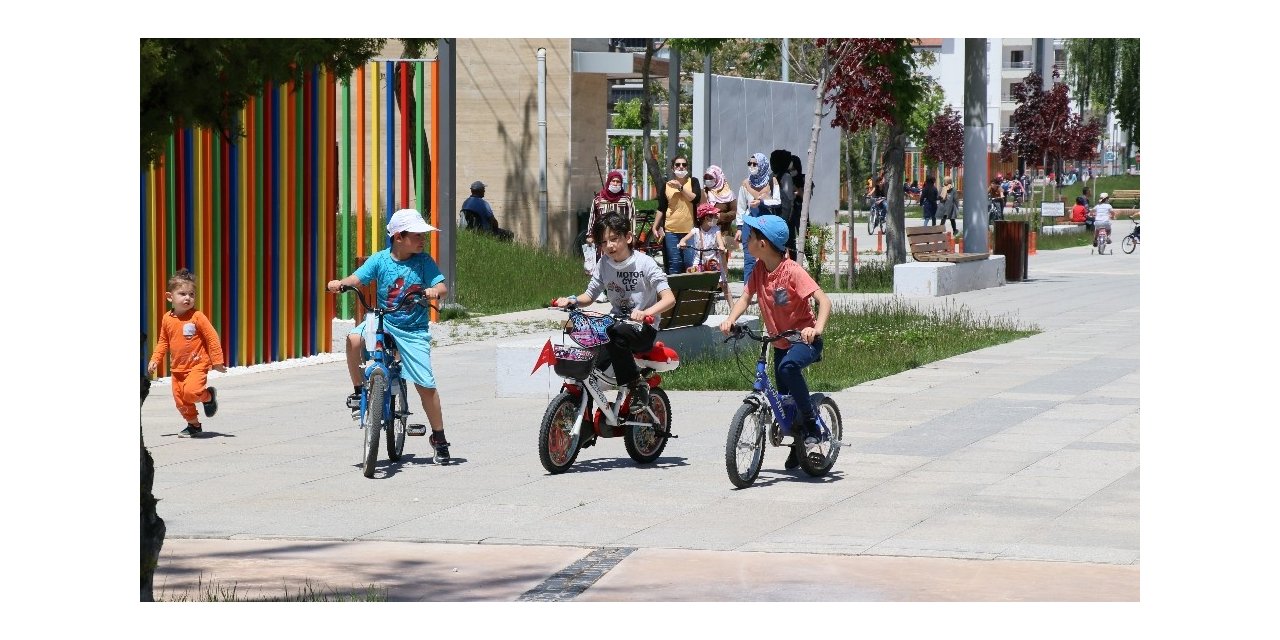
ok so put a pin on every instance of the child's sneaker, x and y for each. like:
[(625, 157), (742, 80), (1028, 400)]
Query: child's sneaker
[(639, 396), (191, 431), (441, 446), (793, 459), (211, 407)]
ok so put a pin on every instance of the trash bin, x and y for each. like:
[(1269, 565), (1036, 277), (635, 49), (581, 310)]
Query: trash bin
[(1011, 240)]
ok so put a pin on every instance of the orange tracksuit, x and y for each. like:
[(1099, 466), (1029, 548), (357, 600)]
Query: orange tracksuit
[(195, 349)]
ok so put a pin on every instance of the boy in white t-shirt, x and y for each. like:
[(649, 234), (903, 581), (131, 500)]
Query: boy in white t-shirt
[(636, 287)]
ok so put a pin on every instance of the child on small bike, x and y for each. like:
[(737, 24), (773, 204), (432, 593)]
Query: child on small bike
[(784, 290), (193, 347), (1102, 215), (636, 287), (402, 270), (709, 246)]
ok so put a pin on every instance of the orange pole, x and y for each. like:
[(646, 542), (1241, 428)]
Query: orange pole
[(435, 175), (879, 242), (1032, 250)]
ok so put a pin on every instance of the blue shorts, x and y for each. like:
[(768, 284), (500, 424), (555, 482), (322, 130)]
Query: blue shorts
[(415, 353)]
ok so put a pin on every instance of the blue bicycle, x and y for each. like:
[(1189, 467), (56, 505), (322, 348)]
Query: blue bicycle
[(384, 399), (765, 411)]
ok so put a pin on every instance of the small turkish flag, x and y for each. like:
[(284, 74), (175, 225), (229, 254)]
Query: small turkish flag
[(548, 356)]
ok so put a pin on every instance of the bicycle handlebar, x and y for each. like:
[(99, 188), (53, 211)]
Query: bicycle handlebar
[(739, 331), (573, 306), (409, 300)]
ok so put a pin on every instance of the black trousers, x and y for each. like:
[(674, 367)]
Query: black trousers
[(624, 340)]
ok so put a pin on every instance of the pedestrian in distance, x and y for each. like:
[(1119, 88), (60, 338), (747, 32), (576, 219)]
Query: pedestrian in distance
[(612, 198), (716, 191), (482, 218), (785, 293), (706, 238), (758, 195), (193, 347), (636, 287), (950, 206), (402, 270), (929, 202), (677, 203)]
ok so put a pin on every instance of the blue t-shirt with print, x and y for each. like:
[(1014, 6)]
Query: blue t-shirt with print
[(400, 278)]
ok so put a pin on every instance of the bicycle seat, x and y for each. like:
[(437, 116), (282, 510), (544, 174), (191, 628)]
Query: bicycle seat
[(659, 358)]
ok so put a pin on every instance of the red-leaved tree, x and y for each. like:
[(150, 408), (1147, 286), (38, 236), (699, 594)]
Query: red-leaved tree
[(944, 140), (873, 80), (1044, 129)]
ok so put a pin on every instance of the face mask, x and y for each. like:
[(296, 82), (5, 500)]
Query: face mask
[(613, 188), (680, 173), (755, 170)]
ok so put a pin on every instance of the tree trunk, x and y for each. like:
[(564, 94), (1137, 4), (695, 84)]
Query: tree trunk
[(803, 230), (151, 527), (646, 121), (896, 234)]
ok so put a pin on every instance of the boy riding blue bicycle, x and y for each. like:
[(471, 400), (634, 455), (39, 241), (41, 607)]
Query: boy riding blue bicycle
[(784, 290), (402, 270)]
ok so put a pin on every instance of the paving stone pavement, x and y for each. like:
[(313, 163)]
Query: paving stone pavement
[(1009, 473)]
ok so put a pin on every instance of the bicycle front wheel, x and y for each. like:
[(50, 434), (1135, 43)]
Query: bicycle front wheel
[(744, 448), (871, 220), (397, 425), (557, 448), (1129, 244), (375, 416)]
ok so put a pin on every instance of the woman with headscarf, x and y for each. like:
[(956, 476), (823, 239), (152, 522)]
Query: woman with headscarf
[(716, 191), (757, 196), (793, 222), (612, 198)]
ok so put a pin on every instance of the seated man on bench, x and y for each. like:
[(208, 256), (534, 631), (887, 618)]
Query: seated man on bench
[(479, 215)]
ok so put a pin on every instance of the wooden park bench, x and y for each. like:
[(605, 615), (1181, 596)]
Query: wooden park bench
[(1127, 196), (695, 295), (929, 244)]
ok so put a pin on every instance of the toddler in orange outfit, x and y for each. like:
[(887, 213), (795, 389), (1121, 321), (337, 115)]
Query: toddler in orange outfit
[(193, 347)]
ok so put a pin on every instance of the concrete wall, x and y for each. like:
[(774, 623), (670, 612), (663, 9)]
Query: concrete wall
[(498, 131)]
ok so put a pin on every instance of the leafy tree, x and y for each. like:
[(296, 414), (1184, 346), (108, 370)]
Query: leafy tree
[(1105, 73), (873, 81), (944, 139), (204, 82), (1044, 127)]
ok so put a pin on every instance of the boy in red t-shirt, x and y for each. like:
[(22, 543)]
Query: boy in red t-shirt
[(194, 348), (784, 290)]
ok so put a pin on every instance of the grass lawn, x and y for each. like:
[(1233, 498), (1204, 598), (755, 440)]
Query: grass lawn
[(501, 277), (863, 342)]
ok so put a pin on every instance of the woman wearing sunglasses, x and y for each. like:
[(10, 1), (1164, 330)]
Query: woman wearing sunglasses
[(681, 196)]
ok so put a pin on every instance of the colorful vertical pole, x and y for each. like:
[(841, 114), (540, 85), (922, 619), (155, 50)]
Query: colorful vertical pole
[(391, 138)]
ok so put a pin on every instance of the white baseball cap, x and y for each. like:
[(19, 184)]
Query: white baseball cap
[(407, 220)]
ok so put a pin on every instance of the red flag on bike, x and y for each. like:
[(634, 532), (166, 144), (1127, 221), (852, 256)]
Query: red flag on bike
[(548, 356)]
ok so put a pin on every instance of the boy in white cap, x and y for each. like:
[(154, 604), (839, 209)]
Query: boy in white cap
[(402, 269), (784, 289)]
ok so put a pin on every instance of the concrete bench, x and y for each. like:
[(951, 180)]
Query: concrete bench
[(931, 279)]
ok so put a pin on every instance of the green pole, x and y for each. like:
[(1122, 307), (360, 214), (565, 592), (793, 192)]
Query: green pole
[(344, 186)]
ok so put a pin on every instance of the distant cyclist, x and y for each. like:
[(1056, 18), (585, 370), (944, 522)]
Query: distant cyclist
[(1102, 215)]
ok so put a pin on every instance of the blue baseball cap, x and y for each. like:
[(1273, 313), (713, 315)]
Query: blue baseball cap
[(773, 228)]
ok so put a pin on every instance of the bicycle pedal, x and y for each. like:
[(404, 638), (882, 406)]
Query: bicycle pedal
[(416, 430)]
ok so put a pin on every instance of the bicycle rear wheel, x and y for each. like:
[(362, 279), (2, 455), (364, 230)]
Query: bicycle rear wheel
[(1129, 243), (829, 415), (374, 420)]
